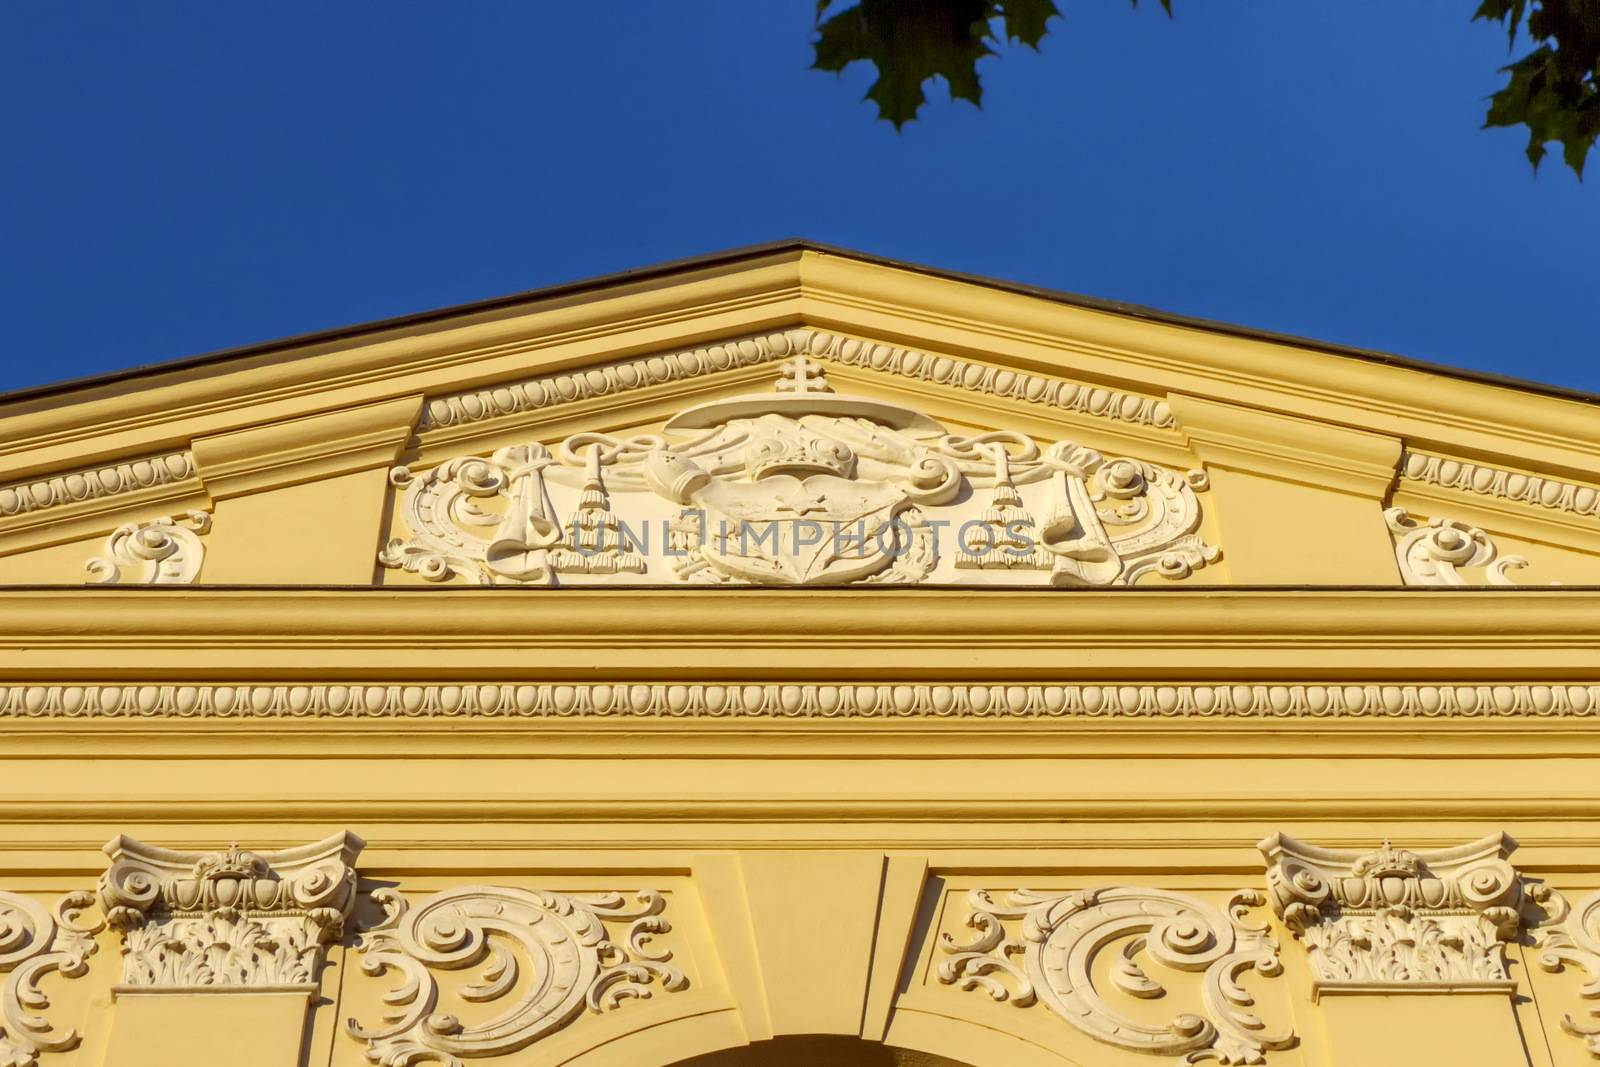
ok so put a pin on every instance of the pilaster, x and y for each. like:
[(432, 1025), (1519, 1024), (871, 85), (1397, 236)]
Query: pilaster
[(1396, 937)]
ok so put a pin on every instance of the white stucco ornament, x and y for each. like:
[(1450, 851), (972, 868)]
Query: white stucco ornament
[(801, 486)]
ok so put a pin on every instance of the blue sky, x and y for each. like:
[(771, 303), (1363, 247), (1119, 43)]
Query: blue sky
[(186, 176)]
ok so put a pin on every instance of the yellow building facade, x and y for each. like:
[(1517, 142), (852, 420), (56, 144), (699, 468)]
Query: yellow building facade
[(789, 657)]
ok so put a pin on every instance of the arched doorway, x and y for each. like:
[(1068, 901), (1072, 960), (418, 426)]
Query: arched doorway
[(817, 1051)]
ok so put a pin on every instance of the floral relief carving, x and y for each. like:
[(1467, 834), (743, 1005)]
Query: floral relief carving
[(1044, 946), (561, 939), (801, 486), (232, 919), (35, 943), (1394, 919), (169, 551), (1435, 552), (1573, 937)]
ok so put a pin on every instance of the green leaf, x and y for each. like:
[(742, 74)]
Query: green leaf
[(909, 42), (1026, 20), (1554, 90)]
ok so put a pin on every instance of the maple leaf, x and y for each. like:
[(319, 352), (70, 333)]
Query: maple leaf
[(1554, 90)]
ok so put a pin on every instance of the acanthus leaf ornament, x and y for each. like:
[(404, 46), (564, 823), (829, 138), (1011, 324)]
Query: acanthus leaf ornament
[(1394, 920), (228, 920), (35, 943), (561, 939), (802, 486), (1059, 936), (168, 549)]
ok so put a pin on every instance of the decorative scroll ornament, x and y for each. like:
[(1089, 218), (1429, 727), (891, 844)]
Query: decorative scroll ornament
[(169, 550), (456, 529), (227, 920), (1435, 552), (1395, 920), (1574, 937), (33, 944), (560, 940), (1063, 934), (803, 486)]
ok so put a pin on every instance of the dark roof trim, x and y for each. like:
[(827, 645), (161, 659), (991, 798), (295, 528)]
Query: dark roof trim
[(794, 246)]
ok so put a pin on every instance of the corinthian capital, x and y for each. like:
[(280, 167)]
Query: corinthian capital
[(232, 918), (1396, 920)]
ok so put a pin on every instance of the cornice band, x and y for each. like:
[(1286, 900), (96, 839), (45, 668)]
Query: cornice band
[(799, 701), (1484, 480), (508, 398), (94, 483)]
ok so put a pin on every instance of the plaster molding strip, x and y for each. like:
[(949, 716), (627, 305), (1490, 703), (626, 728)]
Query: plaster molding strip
[(94, 483), (800, 701), (1483, 480), (490, 402)]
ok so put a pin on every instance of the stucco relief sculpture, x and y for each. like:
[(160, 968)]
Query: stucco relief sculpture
[(227, 920), (35, 943), (561, 940), (1436, 552), (802, 486), (1574, 938), (160, 551), (1397, 920), (1058, 937)]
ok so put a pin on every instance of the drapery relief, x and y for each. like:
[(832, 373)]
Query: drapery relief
[(800, 487)]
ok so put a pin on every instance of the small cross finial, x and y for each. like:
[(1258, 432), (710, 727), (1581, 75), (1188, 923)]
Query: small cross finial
[(802, 375)]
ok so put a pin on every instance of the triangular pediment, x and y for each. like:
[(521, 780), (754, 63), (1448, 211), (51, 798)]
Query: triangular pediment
[(880, 425)]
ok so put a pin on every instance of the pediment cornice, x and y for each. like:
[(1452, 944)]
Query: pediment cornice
[(997, 329)]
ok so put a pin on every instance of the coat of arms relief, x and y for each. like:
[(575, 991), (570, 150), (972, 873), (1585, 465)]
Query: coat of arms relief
[(802, 486)]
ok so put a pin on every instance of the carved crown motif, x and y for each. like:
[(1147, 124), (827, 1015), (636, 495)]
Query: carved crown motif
[(1388, 862), (234, 863), (1393, 918), (788, 448)]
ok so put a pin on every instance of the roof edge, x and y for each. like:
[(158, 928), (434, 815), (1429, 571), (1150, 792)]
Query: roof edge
[(795, 246)]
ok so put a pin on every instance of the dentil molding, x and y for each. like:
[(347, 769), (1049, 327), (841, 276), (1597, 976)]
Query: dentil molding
[(227, 921), (1395, 921), (800, 701), (562, 940), (1044, 946)]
